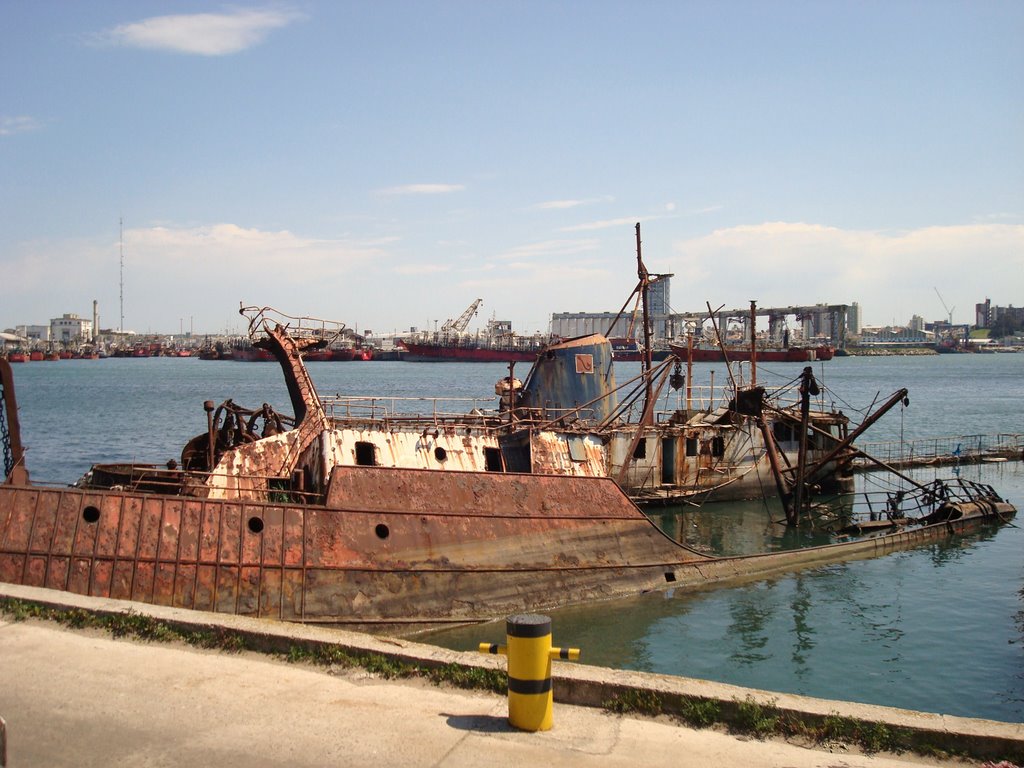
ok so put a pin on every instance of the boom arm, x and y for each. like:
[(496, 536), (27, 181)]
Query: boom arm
[(459, 325)]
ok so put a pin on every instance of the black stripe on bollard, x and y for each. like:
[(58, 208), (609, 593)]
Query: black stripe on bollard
[(492, 648), (528, 687), (563, 653), (528, 625)]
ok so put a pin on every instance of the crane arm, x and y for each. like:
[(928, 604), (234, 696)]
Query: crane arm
[(459, 325), (949, 311)]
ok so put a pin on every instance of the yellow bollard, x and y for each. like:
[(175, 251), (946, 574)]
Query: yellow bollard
[(529, 652)]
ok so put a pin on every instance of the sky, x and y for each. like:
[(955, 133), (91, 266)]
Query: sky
[(384, 164)]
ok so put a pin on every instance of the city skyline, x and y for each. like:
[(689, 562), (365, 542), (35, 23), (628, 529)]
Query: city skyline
[(476, 323), (384, 165)]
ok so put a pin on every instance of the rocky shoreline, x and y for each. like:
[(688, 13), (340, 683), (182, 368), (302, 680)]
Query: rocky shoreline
[(888, 351)]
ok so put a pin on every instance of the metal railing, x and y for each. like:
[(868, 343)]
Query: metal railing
[(390, 410), (950, 448)]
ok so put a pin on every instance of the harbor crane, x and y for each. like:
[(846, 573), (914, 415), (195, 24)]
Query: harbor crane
[(459, 325), (949, 310)]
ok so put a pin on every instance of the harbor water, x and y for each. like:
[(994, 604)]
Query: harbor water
[(939, 628)]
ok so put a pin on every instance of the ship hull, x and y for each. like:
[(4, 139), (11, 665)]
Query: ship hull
[(441, 353), (389, 548), (773, 355)]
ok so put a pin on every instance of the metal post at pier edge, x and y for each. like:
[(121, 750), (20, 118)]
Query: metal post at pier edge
[(529, 651)]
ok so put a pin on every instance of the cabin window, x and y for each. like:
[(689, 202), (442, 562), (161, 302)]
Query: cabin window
[(718, 446), (782, 432), (492, 460), (577, 448), (691, 446), (640, 452), (366, 454), (279, 490)]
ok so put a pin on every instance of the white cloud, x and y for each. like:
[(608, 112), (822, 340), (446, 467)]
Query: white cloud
[(561, 205), (18, 124), (547, 249), (531, 277), (892, 275), (174, 272), (422, 189), (203, 34), (609, 223), (420, 269)]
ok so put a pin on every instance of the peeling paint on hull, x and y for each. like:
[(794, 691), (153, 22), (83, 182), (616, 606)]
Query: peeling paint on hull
[(390, 547)]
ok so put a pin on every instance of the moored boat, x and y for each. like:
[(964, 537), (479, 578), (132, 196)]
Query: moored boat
[(469, 351)]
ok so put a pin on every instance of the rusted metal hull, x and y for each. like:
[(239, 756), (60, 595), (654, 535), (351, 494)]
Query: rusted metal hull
[(390, 547)]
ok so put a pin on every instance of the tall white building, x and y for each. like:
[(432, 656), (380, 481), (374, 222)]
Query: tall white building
[(70, 327)]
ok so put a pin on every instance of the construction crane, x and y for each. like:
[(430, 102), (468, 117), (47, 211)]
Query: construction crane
[(459, 325), (949, 310)]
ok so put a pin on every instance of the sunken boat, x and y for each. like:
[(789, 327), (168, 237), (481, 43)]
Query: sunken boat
[(572, 417), (262, 518)]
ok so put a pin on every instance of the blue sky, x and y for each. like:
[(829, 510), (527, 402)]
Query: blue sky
[(386, 163)]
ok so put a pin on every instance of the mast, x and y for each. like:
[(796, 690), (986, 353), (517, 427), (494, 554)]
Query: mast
[(645, 281), (121, 250), (753, 343)]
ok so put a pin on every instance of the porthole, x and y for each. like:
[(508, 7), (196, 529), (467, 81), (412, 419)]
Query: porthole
[(440, 454), (256, 525), (382, 531), (90, 514)]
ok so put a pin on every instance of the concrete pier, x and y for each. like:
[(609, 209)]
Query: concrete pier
[(81, 698)]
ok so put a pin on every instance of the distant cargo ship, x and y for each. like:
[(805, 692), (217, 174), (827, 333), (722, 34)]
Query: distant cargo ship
[(472, 351), (496, 344)]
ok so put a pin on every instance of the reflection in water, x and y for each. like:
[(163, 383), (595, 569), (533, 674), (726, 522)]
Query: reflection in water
[(872, 630), (803, 629), (750, 613)]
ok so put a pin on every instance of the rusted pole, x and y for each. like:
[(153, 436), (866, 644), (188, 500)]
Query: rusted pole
[(897, 397), (511, 393), (689, 371), (211, 439), (721, 345), (753, 343), (642, 273), (785, 496), (14, 458), (645, 421), (808, 387)]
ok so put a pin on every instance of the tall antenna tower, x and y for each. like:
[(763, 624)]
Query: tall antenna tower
[(121, 248)]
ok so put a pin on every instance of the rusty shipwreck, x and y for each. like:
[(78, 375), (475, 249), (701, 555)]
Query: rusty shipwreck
[(662, 439), (262, 517)]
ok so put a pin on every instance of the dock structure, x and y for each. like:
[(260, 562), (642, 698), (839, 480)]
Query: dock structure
[(829, 322), (816, 321), (943, 451)]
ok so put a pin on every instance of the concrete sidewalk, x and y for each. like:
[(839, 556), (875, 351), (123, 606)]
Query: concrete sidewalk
[(80, 698)]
